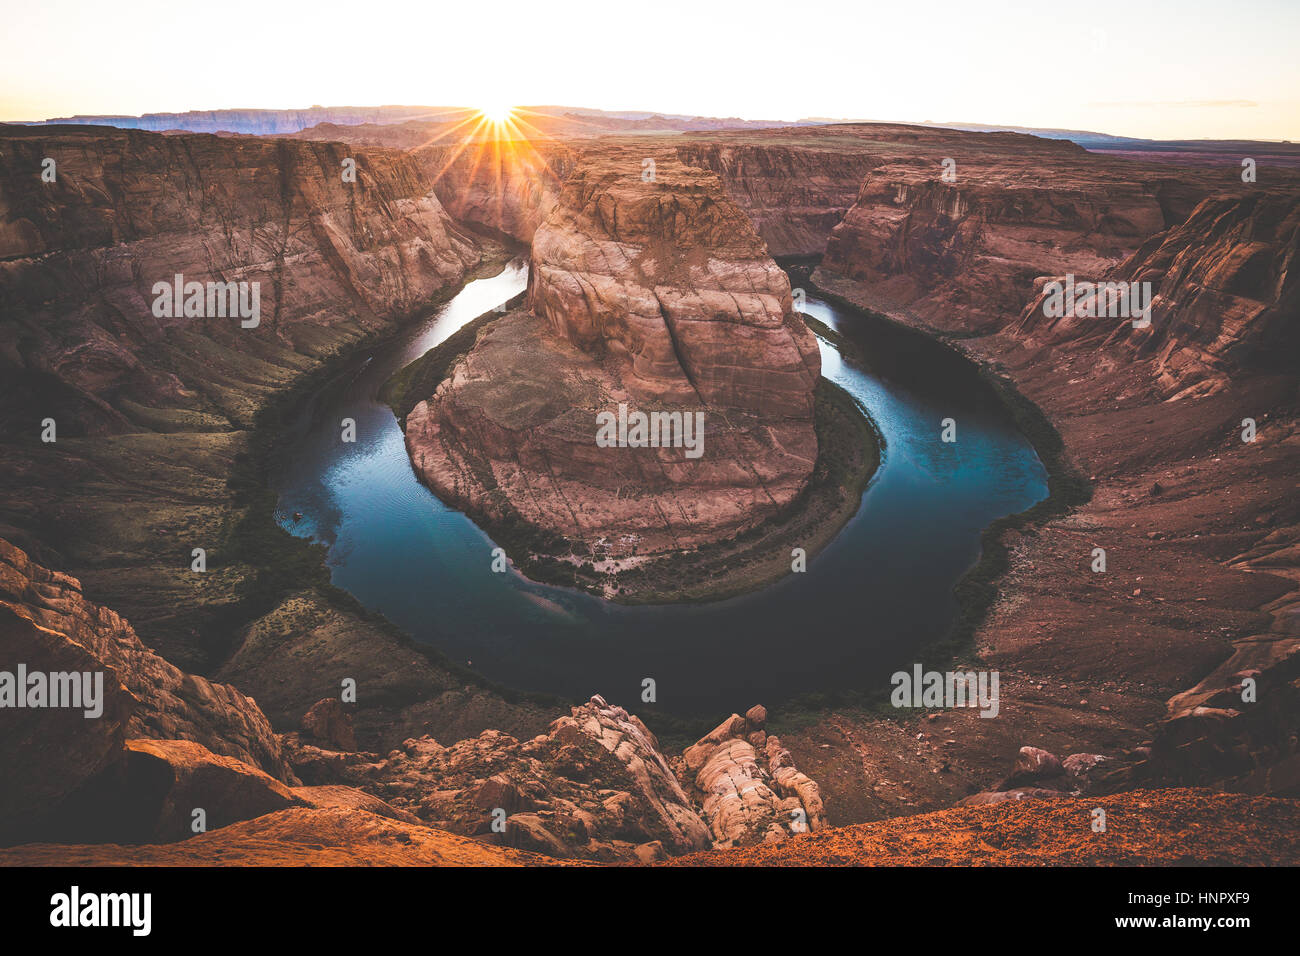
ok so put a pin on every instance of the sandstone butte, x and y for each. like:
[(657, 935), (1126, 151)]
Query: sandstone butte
[(657, 295), (1200, 527)]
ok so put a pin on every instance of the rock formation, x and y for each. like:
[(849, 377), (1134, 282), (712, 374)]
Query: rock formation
[(596, 785), (748, 785), (46, 624), (655, 296)]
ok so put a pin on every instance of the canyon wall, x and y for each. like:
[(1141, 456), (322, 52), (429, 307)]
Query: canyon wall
[(1194, 513), (509, 187), (1224, 298), (79, 257), (793, 194), (962, 255)]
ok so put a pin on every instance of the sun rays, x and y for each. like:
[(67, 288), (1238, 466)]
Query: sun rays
[(493, 147)]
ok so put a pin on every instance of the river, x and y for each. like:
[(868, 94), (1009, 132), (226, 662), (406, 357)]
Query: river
[(867, 602)]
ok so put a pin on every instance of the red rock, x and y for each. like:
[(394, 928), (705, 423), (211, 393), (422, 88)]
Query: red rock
[(329, 724), (653, 295)]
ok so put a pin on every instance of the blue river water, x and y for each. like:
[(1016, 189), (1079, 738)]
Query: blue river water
[(865, 604)]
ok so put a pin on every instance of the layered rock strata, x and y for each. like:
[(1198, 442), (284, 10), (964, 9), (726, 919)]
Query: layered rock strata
[(644, 296)]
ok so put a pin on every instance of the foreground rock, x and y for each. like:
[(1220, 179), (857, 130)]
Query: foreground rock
[(595, 786), (48, 626), (1152, 827), (1144, 828), (657, 296), (748, 785), (303, 836)]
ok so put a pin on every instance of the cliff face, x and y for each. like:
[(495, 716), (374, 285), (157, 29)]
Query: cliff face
[(1224, 298), (48, 626), (962, 255), (79, 258), (1227, 293), (655, 296), (794, 195), (509, 187)]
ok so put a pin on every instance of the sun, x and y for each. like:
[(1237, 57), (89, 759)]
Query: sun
[(498, 114)]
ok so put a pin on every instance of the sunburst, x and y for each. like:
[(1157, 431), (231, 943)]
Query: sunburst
[(497, 114)]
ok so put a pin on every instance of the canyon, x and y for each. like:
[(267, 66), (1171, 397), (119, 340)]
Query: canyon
[(162, 425)]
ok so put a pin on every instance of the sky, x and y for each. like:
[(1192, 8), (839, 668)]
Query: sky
[(1216, 69)]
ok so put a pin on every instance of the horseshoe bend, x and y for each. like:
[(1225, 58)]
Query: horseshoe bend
[(655, 391), (571, 486)]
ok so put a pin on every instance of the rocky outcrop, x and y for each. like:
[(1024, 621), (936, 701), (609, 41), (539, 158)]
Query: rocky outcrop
[(48, 625), (748, 786), (596, 785), (650, 296)]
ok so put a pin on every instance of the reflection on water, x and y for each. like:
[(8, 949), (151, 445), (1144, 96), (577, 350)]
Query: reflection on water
[(877, 592)]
